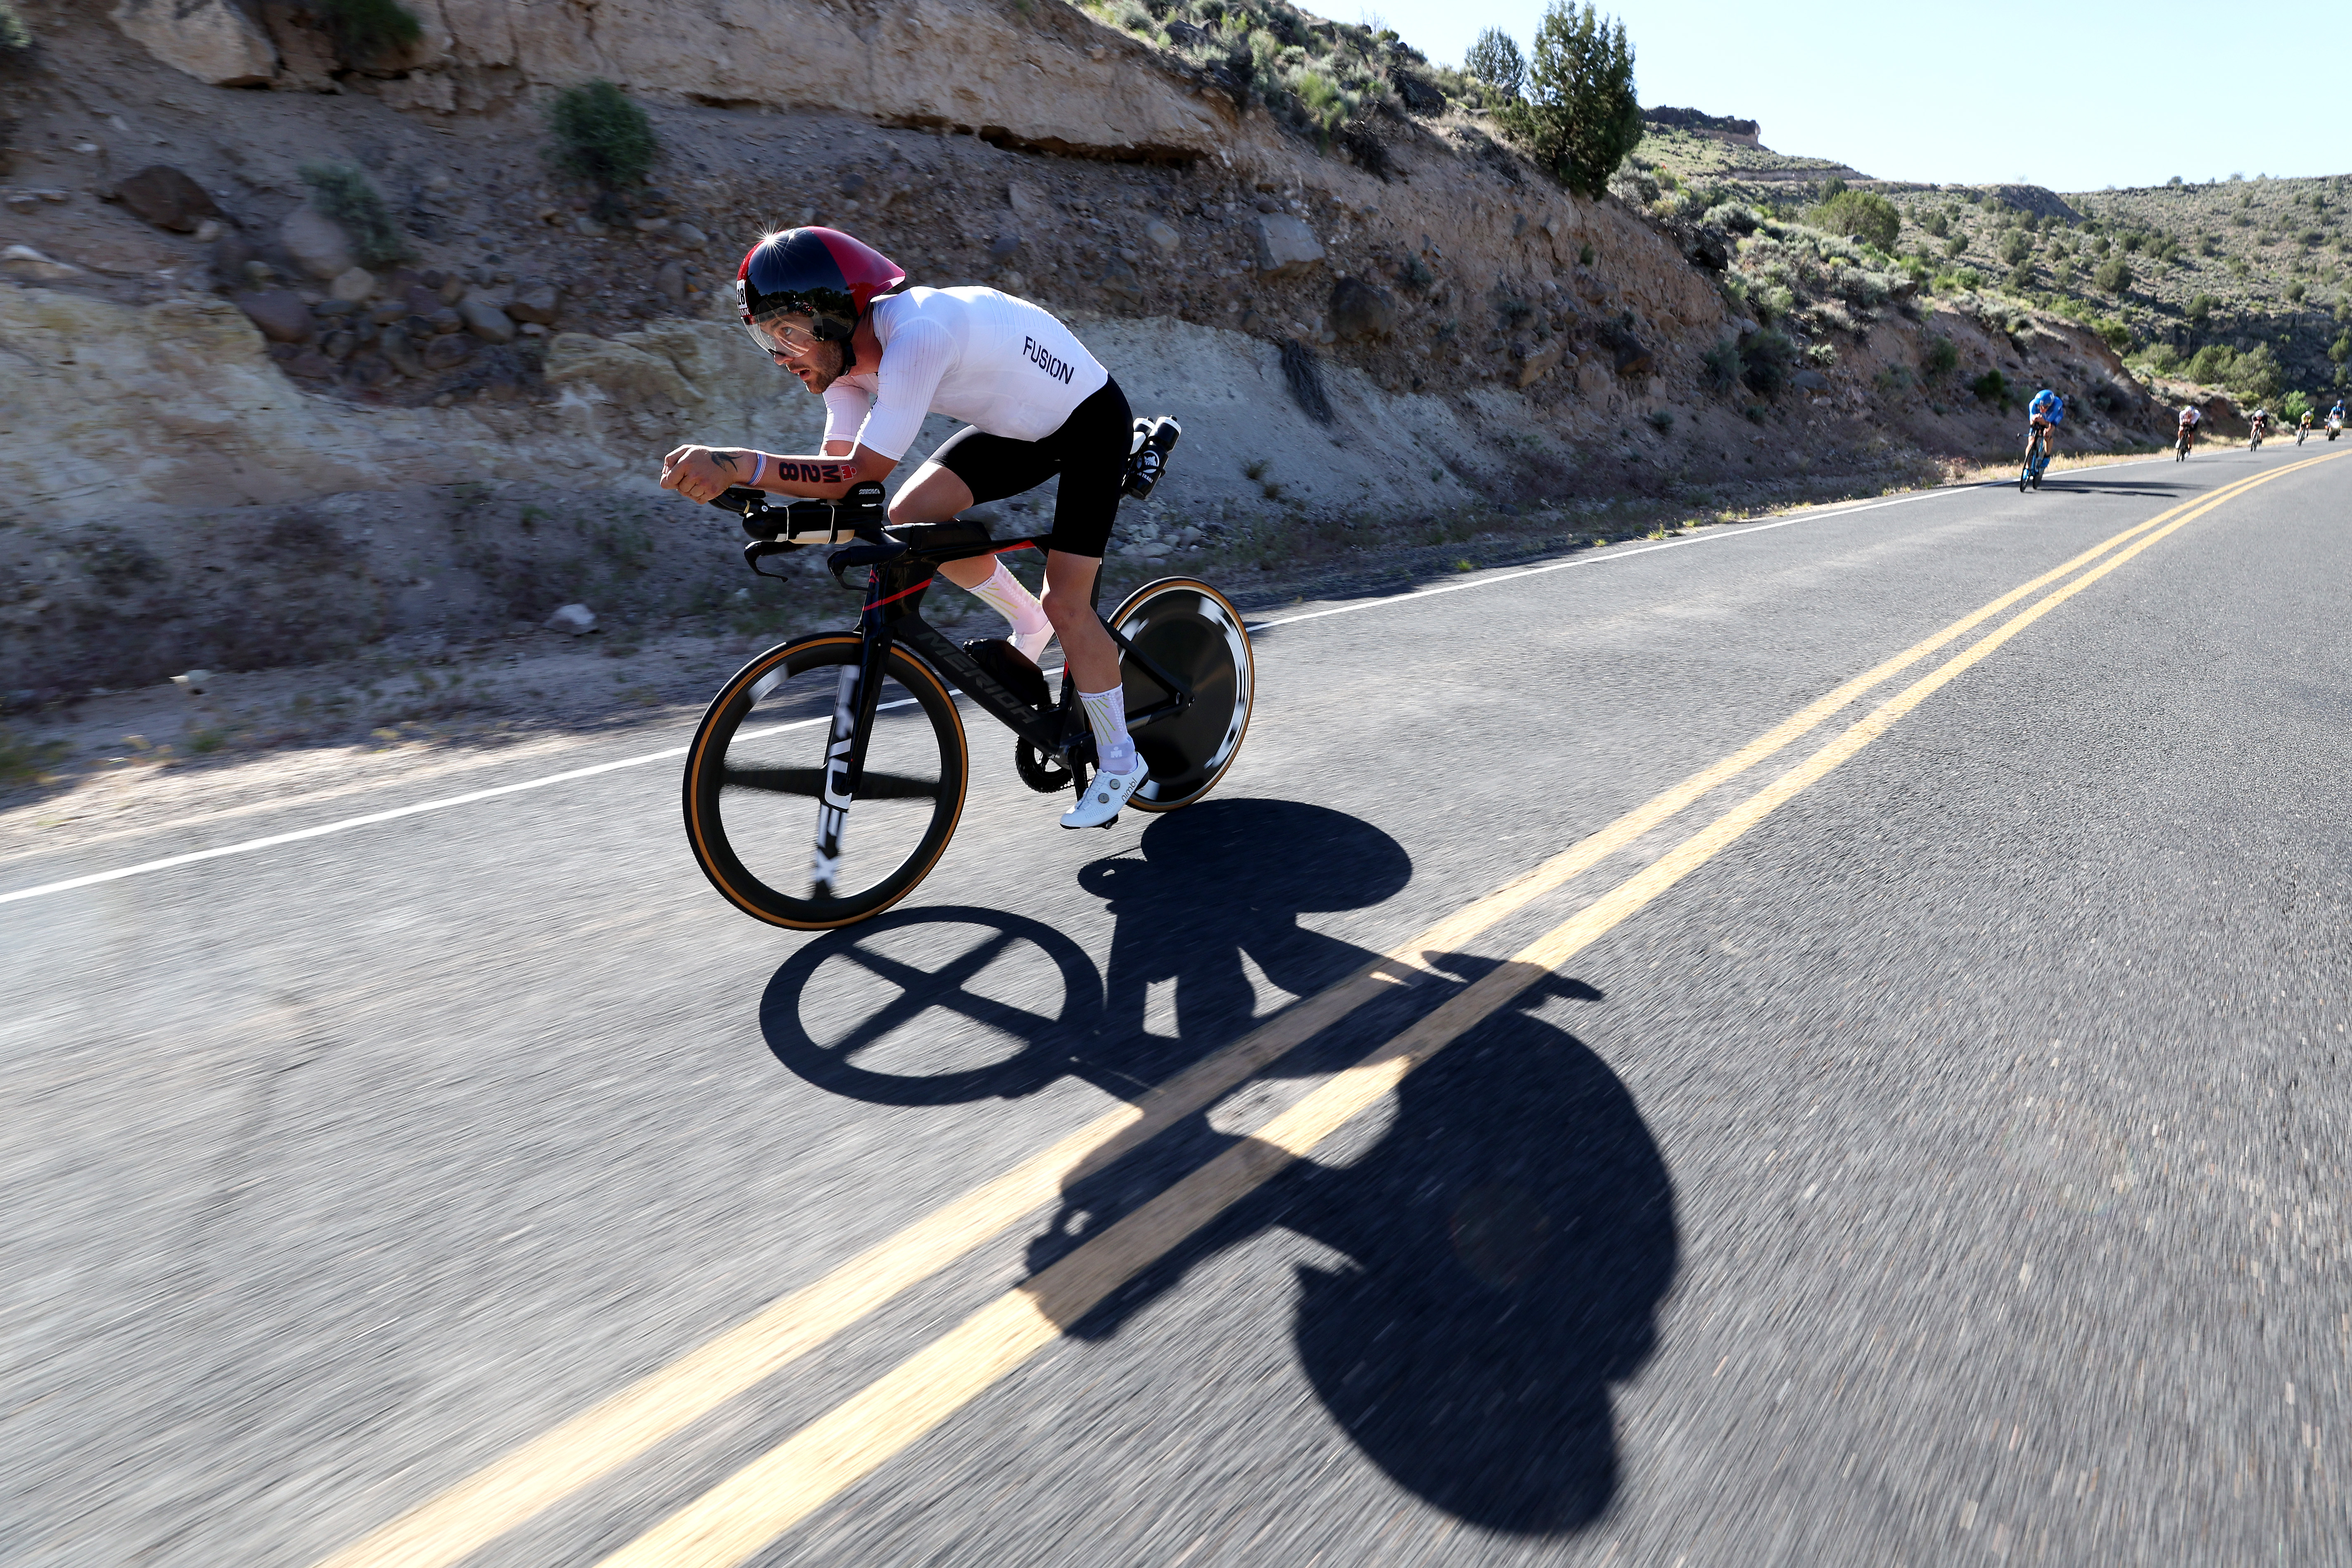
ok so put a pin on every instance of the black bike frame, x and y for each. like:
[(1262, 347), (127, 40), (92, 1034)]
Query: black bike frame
[(900, 570)]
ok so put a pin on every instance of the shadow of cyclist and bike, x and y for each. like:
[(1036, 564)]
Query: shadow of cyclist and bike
[(1506, 1239)]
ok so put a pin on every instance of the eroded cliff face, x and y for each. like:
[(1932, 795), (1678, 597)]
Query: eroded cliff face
[(1480, 339)]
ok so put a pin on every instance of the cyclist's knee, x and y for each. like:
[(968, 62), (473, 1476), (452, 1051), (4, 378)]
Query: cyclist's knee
[(1064, 607)]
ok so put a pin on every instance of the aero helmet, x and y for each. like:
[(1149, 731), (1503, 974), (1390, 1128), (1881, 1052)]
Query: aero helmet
[(818, 272)]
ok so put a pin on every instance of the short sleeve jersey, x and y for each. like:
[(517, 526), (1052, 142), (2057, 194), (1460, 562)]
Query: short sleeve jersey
[(996, 363)]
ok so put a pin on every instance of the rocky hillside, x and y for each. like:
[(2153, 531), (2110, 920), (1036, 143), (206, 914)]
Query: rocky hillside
[(1363, 306)]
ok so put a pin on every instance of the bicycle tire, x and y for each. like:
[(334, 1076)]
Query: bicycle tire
[(790, 680), (1195, 632)]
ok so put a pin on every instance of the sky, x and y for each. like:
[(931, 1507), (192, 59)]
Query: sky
[(2105, 94)]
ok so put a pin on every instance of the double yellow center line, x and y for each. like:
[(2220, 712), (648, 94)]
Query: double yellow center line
[(742, 1514)]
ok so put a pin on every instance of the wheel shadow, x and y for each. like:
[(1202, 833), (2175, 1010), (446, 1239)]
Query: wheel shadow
[(1499, 1247)]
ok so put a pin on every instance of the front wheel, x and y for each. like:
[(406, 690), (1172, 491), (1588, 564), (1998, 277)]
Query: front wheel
[(764, 814), (1193, 632)]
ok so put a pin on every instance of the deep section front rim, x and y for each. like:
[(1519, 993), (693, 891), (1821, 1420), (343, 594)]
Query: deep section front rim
[(759, 772)]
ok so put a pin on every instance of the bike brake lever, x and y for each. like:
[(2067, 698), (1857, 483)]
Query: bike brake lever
[(862, 555), (740, 499), (758, 549)]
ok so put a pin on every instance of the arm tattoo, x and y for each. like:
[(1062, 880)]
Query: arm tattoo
[(725, 459), (815, 471)]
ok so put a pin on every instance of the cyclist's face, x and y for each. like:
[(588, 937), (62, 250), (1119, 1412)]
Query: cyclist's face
[(793, 346)]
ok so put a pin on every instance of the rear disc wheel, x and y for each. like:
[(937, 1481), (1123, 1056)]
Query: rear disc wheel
[(1192, 632)]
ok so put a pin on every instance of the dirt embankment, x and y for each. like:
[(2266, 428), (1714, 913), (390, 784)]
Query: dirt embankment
[(201, 416)]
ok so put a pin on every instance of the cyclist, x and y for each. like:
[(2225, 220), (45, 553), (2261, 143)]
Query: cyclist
[(2041, 418), (838, 314), (2192, 416), (2302, 426), (2260, 423)]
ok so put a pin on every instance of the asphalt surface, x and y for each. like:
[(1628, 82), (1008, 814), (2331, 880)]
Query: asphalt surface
[(1949, 1165)]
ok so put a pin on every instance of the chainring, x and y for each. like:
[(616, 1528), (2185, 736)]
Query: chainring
[(1044, 775)]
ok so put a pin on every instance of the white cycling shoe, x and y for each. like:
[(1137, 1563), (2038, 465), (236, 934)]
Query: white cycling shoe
[(1098, 807)]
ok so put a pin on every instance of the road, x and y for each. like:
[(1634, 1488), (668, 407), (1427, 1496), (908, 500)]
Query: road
[(1778, 1048)]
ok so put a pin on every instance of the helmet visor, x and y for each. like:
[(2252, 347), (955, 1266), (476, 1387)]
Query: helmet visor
[(783, 333)]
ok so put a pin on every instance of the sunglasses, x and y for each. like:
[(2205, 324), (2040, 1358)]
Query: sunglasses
[(779, 337)]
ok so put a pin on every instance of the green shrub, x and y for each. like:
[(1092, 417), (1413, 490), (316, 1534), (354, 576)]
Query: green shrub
[(2341, 349), (1661, 420), (1721, 365), (2255, 374), (2114, 275), (1957, 246), (2118, 335), (365, 29), (1941, 356), (1860, 214), (1767, 361), (345, 194), (15, 38), (2020, 278), (1992, 387), (1938, 225), (2294, 407), (2200, 309), (1580, 119), (1494, 59), (2017, 248), (2210, 364), (27, 762), (1822, 356), (600, 135)]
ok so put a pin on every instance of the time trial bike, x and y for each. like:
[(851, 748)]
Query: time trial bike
[(828, 774)]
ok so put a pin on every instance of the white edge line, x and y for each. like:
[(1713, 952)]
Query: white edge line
[(346, 824)]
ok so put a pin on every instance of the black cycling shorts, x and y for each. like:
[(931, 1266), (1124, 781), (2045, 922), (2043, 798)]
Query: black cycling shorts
[(1089, 453)]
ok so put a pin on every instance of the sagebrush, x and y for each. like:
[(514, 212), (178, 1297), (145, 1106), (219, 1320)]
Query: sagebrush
[(600, 135), (345, 194)]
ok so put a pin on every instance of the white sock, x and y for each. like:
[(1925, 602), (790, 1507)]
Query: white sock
[(1107, 716), (1003, 593)]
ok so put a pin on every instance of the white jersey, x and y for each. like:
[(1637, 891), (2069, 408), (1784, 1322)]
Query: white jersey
[(973, 355)]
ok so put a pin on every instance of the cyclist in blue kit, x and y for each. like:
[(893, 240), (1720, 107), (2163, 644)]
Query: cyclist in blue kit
[(1037, 405)]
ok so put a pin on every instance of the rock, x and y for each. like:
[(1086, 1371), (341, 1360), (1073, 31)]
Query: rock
[(1360, 310), (1746, 326), (1534, 367), (1162, 235), (573, 619), (195, 683), (421, 300), (163, 196), (1004, 246), (446, 353), (317, 243), (1120, 281), (446, 320), (279, 313), (653, 225), (1026, 204), (486, 322), (213, 40), (208, 231), (687, 234), (355, 284), (340, 344), (1285, 245), (402, 354), (536, 303), (669, 281), (588, 227), (369, 370), (1810, 380), (1632, 358), (27, 264), (311, 363)]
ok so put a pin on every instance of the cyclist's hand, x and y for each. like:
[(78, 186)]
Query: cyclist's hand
[(705, 473)]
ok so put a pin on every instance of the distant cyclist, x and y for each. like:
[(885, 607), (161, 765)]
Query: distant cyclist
[(1037, 405), (2261, 425), (2043, 416), (2192, 416)]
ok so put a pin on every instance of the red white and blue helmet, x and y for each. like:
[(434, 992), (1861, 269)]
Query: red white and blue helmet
[(821, 273)]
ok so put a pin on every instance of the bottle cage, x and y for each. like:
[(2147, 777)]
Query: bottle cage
[(1147, 454)]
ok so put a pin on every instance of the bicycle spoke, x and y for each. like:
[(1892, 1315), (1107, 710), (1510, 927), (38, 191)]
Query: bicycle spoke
[(810, 782)]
